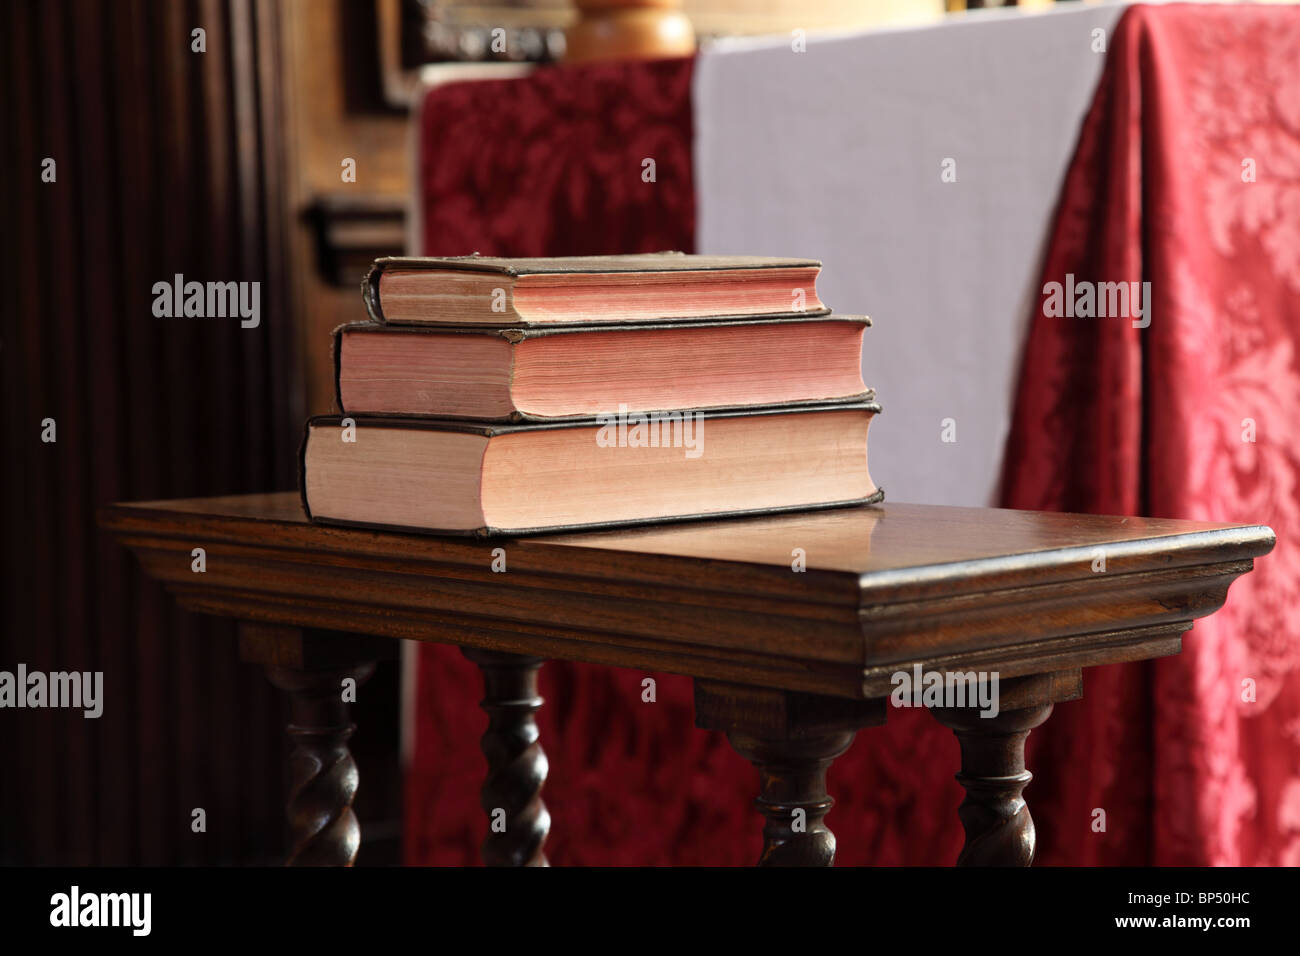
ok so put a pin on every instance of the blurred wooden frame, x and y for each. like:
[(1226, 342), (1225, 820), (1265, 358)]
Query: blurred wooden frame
[(533, 34), (535, 30)]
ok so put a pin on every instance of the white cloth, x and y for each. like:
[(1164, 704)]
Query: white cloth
[(836, 153)]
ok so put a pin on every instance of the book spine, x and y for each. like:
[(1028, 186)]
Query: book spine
[(370, 292), (336, 359), (302, 470)]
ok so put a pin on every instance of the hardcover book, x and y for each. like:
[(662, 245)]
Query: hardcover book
[(456, 477), (579, 371), (585, 290)]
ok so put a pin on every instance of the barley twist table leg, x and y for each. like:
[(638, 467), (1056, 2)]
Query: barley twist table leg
[(999, 829), (323, 828), (518, 821), (792, 795)]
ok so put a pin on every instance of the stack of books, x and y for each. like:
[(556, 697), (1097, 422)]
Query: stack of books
[(508, 396)]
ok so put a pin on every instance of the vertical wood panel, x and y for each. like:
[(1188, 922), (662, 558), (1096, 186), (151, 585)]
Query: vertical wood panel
[(57, 358), (167, 162), (84, 132), (27, 489), (127, 81)]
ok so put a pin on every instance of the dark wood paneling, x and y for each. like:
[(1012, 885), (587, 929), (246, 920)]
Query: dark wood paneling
[(168, 161)]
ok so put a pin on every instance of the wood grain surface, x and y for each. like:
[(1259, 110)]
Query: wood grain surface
[(881, 587)]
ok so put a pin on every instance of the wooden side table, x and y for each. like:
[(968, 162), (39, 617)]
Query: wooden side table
[(793, 628)]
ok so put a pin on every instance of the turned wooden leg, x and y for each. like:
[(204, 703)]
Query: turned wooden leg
[(792, 795), (792, 738), (518, 821), (324, 830), (994, 815), (999, 829), (311, 667)]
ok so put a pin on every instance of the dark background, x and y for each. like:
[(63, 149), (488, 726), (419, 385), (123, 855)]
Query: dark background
[(167, 162)]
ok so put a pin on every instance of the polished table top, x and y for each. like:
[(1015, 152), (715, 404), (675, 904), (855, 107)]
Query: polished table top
[(829, 602)]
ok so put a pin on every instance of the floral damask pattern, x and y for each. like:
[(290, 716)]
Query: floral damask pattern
[(1246, 119), (555, 164), (1205, 102)]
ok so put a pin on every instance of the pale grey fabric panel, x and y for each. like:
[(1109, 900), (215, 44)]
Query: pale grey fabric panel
[(836, 153)]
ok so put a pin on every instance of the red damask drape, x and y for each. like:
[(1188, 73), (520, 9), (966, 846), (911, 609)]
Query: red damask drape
[(1110, 418), (1187, 176)]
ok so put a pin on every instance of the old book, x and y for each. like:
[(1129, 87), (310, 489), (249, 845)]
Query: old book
[(557, 373), (464, 478), (523, 293)]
